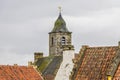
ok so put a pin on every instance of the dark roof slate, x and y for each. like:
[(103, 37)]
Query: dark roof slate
[(53, 65), (49, 66), (60, 25)]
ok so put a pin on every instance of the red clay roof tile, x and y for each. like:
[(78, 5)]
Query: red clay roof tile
[(94, 63), (18, 73), (117, 74)]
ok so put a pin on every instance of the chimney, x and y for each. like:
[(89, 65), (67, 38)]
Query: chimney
[(119, 44), (15, 65), (68, 47), (30, 63), (109, 77), (37, 55), (84, 47), (68, 53)]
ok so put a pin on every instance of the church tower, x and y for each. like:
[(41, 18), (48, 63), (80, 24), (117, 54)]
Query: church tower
[(59, 37)]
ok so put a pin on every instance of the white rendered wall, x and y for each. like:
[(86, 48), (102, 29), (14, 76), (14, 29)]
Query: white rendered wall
[(66, 66)]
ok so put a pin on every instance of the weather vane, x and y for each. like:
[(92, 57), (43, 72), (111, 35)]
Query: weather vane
[(59, 9)]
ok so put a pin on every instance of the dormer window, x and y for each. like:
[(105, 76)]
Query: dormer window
[(63, 40)]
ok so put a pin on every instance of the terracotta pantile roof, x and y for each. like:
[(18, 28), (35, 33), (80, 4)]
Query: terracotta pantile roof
[(18, 73), (93, 63), (76, 56), (117, 74)]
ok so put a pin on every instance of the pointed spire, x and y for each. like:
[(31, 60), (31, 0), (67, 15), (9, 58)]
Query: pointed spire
[(60, 25), (60, 16), (60, 9)]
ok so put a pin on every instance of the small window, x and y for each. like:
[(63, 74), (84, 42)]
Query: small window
[(52, 40), (63, 41)]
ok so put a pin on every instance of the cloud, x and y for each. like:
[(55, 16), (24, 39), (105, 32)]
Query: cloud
[(25, 24), (99, 20), (99, 28)]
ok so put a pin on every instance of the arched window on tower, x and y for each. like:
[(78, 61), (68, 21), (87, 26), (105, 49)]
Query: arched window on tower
[(52, 41), (63, 40)]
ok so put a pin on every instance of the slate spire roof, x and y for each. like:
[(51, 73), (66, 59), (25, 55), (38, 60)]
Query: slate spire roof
[(60, 25)]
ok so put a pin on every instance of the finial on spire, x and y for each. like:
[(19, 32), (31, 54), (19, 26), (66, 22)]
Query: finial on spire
[(59, 9)]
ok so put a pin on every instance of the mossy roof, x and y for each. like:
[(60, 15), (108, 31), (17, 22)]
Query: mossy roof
[(60, 25), (49, 65), (95, 62)]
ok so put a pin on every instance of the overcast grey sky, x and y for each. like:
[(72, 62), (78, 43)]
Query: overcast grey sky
[(25, 24)]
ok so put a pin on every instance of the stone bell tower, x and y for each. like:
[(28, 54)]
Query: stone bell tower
[(59, 37)]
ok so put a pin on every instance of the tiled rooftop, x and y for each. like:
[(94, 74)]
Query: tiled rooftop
[(94, 63), (117, 74), (8, 72)]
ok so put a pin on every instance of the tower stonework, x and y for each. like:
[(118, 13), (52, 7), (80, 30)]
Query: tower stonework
[(59, 37)]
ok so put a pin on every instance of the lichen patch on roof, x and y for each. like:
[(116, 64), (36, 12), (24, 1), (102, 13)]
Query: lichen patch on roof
[(94, 63), (49, 66), (60, 25)]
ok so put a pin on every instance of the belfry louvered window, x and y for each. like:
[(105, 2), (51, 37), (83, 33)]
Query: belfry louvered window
[(63, 40)]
